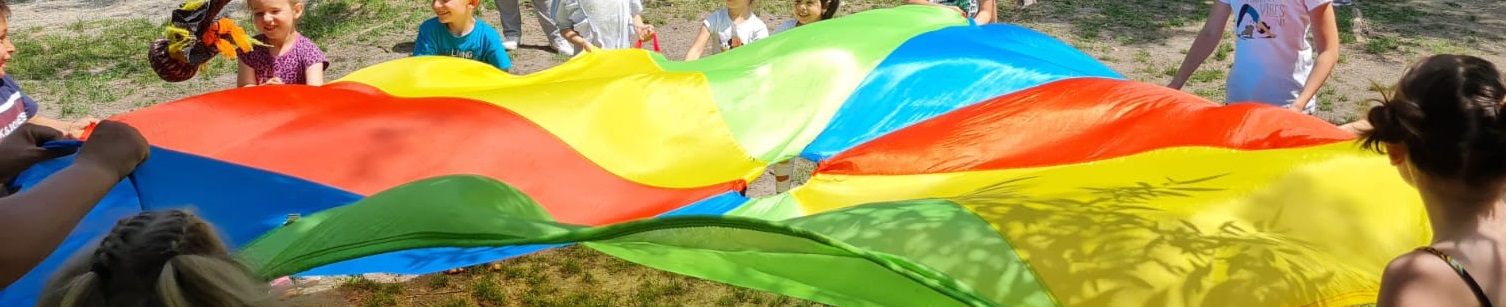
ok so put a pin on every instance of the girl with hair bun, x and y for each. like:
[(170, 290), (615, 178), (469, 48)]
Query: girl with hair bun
[(1445, 132)]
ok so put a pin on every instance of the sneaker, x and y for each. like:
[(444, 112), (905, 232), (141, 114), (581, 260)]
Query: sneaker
[(510, 44), (1342, 2), (562, 47)]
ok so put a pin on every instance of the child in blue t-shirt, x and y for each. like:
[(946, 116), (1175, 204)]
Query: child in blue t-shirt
[(455, 31)]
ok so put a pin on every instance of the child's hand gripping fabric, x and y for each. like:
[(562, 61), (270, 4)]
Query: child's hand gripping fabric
[(23, 148), (33, 223), (114, 146)]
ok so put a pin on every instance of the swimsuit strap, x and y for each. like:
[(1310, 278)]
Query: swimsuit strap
[(1459, 268)]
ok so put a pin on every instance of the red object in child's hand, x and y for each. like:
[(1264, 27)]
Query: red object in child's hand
[(88, 130), (651, 38)]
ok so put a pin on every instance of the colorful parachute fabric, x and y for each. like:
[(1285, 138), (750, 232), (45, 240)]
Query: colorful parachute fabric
[(957, 165)]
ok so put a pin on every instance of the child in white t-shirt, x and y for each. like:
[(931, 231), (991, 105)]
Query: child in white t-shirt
[(731, 27), (608, 24), (808, 12), (1273, 60)]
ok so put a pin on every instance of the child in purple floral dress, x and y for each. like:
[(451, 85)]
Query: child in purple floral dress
[(291, 59)]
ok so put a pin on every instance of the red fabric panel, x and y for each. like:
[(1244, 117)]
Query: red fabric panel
[(1075, 121)]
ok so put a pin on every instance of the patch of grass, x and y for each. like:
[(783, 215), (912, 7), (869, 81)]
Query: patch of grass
[(1327, 99), (456, 302), (1207, 75), (331, 20), (1393, 12), (66, 57), (1170, 70), (1382, 44), (372, 293), (1211, 94), (439, 281), (1126, 22), (1223, 51), (486, 290)]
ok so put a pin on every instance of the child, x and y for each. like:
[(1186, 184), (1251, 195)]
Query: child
[(1445, 131), (456, 31), (592, 24), (809, 11), (980, 11), (732, 26), (1273, 62), (35, 221), (156, 258), (291, 59), (16, 108)]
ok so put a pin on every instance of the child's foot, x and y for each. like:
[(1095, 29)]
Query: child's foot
[(454, 271), (510, 44)]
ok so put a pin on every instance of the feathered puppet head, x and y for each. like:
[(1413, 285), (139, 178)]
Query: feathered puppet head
[(195, 35)]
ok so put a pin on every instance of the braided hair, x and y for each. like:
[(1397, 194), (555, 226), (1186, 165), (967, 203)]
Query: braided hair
[(158, 258)]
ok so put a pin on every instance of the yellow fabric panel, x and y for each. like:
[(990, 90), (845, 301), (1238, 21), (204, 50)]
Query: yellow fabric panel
[(1189, 226), (587, 102)]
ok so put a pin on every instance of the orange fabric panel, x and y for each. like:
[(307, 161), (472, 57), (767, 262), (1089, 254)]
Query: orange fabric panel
[(355, 138), (1076, 121)]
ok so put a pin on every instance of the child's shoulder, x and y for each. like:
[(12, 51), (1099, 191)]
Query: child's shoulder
[(430, 23), (718, 13), (306, 44), (485, 31)]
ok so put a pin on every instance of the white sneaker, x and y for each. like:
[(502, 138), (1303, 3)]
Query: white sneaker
[(563, 47), (510, 44)]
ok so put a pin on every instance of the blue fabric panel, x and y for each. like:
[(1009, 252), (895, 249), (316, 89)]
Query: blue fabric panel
[(242, 202), (943, 70)]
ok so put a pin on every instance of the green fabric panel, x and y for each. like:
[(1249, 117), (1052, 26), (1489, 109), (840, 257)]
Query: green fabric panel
[(942, 235), (473, 211), (459, 211), (778, 93), (937, 235)]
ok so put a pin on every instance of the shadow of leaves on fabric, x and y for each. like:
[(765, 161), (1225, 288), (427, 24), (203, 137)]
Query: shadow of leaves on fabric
[(1113, 246), (939, 234), (935, 240)]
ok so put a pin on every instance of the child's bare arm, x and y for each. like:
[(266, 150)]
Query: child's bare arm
[(245, 76), (575, 39), (33, 223), (986, 12), (1207, 40), (1326, 42), (645, 30), (72, 129), (700, 43), (314, 74)]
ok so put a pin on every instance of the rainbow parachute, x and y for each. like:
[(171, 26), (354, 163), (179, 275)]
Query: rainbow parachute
[(957, 165)]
